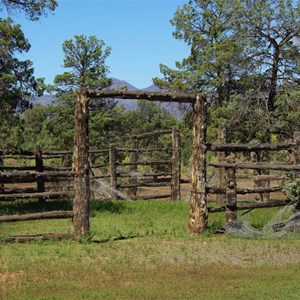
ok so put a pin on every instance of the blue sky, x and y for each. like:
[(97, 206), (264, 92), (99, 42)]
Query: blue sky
[(139, 32)]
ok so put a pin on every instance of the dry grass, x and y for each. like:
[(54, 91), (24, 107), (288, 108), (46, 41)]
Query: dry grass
[(152, 268)]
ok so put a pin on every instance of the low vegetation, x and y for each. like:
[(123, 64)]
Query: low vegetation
[(141, 250)]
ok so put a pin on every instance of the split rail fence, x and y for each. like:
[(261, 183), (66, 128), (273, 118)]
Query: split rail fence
[(228, 171), (36, 177)]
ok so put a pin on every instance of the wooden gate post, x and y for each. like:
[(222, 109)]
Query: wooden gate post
[(198, 200), (81, 205), (176, 166), (231, 200), (295, 153), (113, 170), (1, 164), (39, 167), (220, 198), (133, 168)]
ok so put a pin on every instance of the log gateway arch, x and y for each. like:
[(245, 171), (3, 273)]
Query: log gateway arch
[(198, 212)]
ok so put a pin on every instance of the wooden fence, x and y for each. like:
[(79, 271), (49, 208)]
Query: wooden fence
[(227, 168), (35, 178)]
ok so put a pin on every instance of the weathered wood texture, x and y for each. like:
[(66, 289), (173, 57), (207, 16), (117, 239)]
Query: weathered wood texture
[(243, 191), (1, 164), (81, 205), (231, 199), (113, 170), (250, 147), (270, 204), (198, 202), (26, 177), (34, 237), (257, 166), (176, 165), (42, 195), (133, 168), (39, 168), (38, 216), (220, 199)]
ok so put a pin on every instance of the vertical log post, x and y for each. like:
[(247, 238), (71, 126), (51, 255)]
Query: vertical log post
[(220, 198), (198, 200), (39, 167), (257, 182), (133, 168), (231, 200), (81, 205), (263, 156), (113, 170), (1, 164), (176, 165), (295, 153)]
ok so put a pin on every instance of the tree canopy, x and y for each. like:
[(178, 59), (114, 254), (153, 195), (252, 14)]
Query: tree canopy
[(33, 9), (17, 82), (85, 58), (236, 45)]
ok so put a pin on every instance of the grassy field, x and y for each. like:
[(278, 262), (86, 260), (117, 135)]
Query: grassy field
[(141, 250)]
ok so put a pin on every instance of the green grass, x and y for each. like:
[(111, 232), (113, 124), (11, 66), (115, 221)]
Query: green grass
[(141, 250)]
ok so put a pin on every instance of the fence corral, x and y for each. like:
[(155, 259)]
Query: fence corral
[(81, 172), (46, 174), (228, 170)]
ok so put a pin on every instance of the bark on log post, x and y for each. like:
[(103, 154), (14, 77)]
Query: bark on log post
[(231, 199), (220, 199), (176, 165), (1, 164), (198, 201), (263, 157), (81, 205), (39, 165), (113, 170), (295, 152), (133, 168), (256, 173)]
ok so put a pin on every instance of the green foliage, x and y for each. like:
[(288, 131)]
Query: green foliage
[(11, 132), (85, 58), (286, 118), (17, 82), (291, 188), (33, 9), (243, 52)]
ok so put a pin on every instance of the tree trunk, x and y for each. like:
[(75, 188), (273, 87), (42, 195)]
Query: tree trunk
[(274, 78)]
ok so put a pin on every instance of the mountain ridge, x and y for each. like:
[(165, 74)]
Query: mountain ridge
[(129, 104)]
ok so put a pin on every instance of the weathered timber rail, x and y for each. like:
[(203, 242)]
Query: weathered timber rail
[(61, 175), (227, 168), (38, 216)]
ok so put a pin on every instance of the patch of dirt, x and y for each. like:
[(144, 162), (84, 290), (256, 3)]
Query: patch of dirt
[(10, 276)]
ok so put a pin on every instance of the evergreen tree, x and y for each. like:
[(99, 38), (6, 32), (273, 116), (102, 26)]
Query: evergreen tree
[(33, 9)]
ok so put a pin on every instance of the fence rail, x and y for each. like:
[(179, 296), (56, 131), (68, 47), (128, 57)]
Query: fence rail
[(226, 168)]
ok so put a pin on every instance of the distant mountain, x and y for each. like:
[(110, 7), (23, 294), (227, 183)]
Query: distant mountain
[(130, 104), (152, 88), (117, 83), (44, 100)]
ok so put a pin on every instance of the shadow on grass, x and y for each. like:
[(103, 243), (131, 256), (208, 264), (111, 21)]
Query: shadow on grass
[(114, 239), (109, 206), (32, 206)]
